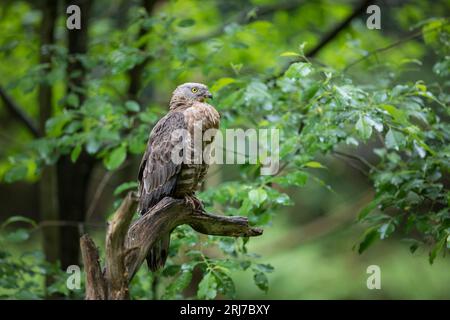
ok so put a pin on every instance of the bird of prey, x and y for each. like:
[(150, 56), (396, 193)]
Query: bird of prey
[(159, 176)]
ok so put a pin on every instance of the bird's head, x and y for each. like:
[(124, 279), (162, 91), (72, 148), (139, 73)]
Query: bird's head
[(192, 91)]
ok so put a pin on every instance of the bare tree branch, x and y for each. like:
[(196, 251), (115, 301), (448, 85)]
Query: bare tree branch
[(92, 269), (247, 16), (116, 270), (329, 36), (414, 35), (16, 111), (257, 12), (98, 193), (355, 157), (127, 246), (361, 8), (343, 215)]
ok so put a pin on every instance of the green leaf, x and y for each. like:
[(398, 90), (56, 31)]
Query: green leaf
[(442, 68), (16, 173), (431, 31), (172, 270), (72, 100), (302, 46), (257, 196), (289, 146), (310, 92), (414, 244), (207, 288), (421, 86), (267, 268), (18, 235), (225, 284), (437, 248), (148, 116), (314, 164), (397, 114), (394, 139), (369, 208), (75, 153), (221, 83), (125, 186), (298, 70), (418, 148), (115, 158), (185, 23), (290, 54), (181, 282), (374, 124), (245, 207), (54, 126), (351, 141), (370, 236), (228, 245), (132, 106), (261, 281), (92, 145), (257, 93), (386, 229), (284, 200), (344, 92), (137, 144), (363, 128), (296, 178), (124, 58)]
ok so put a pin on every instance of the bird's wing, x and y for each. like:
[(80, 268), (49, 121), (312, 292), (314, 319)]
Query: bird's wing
[(158, 173)]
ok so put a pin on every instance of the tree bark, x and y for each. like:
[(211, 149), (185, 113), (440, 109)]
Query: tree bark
[(127, 246), (73, 178), (48, 205)]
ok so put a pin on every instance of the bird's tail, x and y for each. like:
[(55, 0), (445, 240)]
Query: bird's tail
[(157, 255)]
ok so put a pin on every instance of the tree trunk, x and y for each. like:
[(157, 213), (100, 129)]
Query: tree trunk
[(73, 181), (48, 204), (73, 178)]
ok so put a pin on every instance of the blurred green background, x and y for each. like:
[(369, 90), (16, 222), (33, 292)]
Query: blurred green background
[(311, 245)]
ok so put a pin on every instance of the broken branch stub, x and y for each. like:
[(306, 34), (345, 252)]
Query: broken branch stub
[(127, 246)]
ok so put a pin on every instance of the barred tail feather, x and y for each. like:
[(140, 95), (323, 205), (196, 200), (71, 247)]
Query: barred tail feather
[(157, 255)]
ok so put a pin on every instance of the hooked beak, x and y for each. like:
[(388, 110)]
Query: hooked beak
[(208, 95)]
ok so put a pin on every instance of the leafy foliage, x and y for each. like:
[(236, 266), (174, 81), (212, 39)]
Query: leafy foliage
[(22, 276), (320, 109)]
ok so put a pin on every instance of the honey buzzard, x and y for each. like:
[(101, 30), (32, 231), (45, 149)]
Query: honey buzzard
[(160, 176)]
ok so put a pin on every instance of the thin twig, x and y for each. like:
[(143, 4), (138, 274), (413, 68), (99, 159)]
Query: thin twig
[(340, 27), (329, 36), (67, 223), (101, 186), (414, 35), (18, 113), (351, 164), (247, 16), (355, 157), (98, 192)]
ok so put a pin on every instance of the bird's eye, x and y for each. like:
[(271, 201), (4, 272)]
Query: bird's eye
[(194, 90)]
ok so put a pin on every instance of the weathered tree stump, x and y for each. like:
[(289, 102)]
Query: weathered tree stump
[(127, 246)]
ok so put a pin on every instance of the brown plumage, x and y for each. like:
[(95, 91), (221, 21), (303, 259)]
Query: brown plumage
[(159, 176)]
